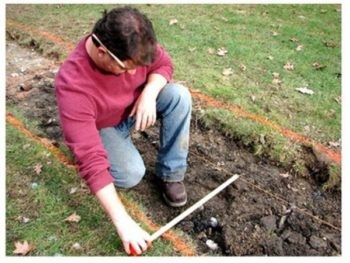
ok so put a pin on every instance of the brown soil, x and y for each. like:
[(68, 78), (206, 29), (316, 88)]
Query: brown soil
[(264, 212)]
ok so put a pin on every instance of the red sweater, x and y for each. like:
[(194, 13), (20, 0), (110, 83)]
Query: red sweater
[(90, 99)]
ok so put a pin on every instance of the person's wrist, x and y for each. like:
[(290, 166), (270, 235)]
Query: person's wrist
[(121, 220)]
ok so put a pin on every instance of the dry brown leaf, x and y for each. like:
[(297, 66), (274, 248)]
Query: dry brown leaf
[(284, 175), (330, 44), (221, 52), (334, 144), (76, 246), (26, 146), (73, 190), (23, 219), (211, 50), (173, 22), (38, 168), (22, 248), (73, 218), (275, 75), (276, 81), (227, 72), (318, 66), (289, 66), (299, 48), (338, 99), (243, 67), (305, 90)]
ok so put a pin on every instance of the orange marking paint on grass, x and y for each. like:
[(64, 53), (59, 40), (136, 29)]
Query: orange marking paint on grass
[(179, 244), (299, 138), (55, 39), (43, 141)]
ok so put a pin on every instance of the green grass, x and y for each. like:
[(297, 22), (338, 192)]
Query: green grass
[(247, 32), (50, 203)]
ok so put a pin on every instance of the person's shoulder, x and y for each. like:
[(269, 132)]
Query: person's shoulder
[(77, 57)]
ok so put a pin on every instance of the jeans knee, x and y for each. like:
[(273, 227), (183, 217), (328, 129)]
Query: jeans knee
[(128, 178), (180, 95)]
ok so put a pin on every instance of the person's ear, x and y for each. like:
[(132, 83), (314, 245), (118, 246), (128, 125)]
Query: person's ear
[(101, 52)]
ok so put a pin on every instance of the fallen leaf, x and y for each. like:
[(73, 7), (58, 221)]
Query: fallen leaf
[(289, 66), (26, 146), (38, 168), (270, 57), (284, 175), (173, 22), (243, 67), (330, 44), (274, 33), (192, 49), (253, 98), (293, 39), (73, 190), (299, 48), (275, 75), (227, 72), (276, 81), (318, 66), (334, 144), (338, 99), (211, 50), (73, 218), (221, 52), (76, 246), (23, 219), (305, 90), (14, 75), (22, 248)]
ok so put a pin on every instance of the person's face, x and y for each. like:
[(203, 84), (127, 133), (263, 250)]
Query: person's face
[(111, 63)]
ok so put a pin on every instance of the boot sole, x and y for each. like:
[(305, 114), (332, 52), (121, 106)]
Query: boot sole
[(174, 204)]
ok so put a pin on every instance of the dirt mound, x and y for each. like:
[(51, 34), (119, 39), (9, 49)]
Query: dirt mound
[(265, 212)]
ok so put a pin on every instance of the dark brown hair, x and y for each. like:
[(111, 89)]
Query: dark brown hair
[(128, 34)]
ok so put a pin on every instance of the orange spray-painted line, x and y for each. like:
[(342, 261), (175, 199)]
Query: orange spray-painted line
[(299, 138), (55, 39), (43, 141), (179, 244)]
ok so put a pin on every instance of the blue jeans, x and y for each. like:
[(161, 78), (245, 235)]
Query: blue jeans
[(174, 107)]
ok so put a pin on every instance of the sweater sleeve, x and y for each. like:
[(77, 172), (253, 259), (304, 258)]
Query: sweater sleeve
[(78, 121), (162, 64)]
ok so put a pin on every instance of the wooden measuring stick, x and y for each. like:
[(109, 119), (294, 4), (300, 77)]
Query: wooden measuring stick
[(188, 211)]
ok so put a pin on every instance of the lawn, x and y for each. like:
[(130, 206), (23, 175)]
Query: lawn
[(267, 52), (250, 56)]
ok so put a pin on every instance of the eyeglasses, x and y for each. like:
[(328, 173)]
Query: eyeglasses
[(120, 63)]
